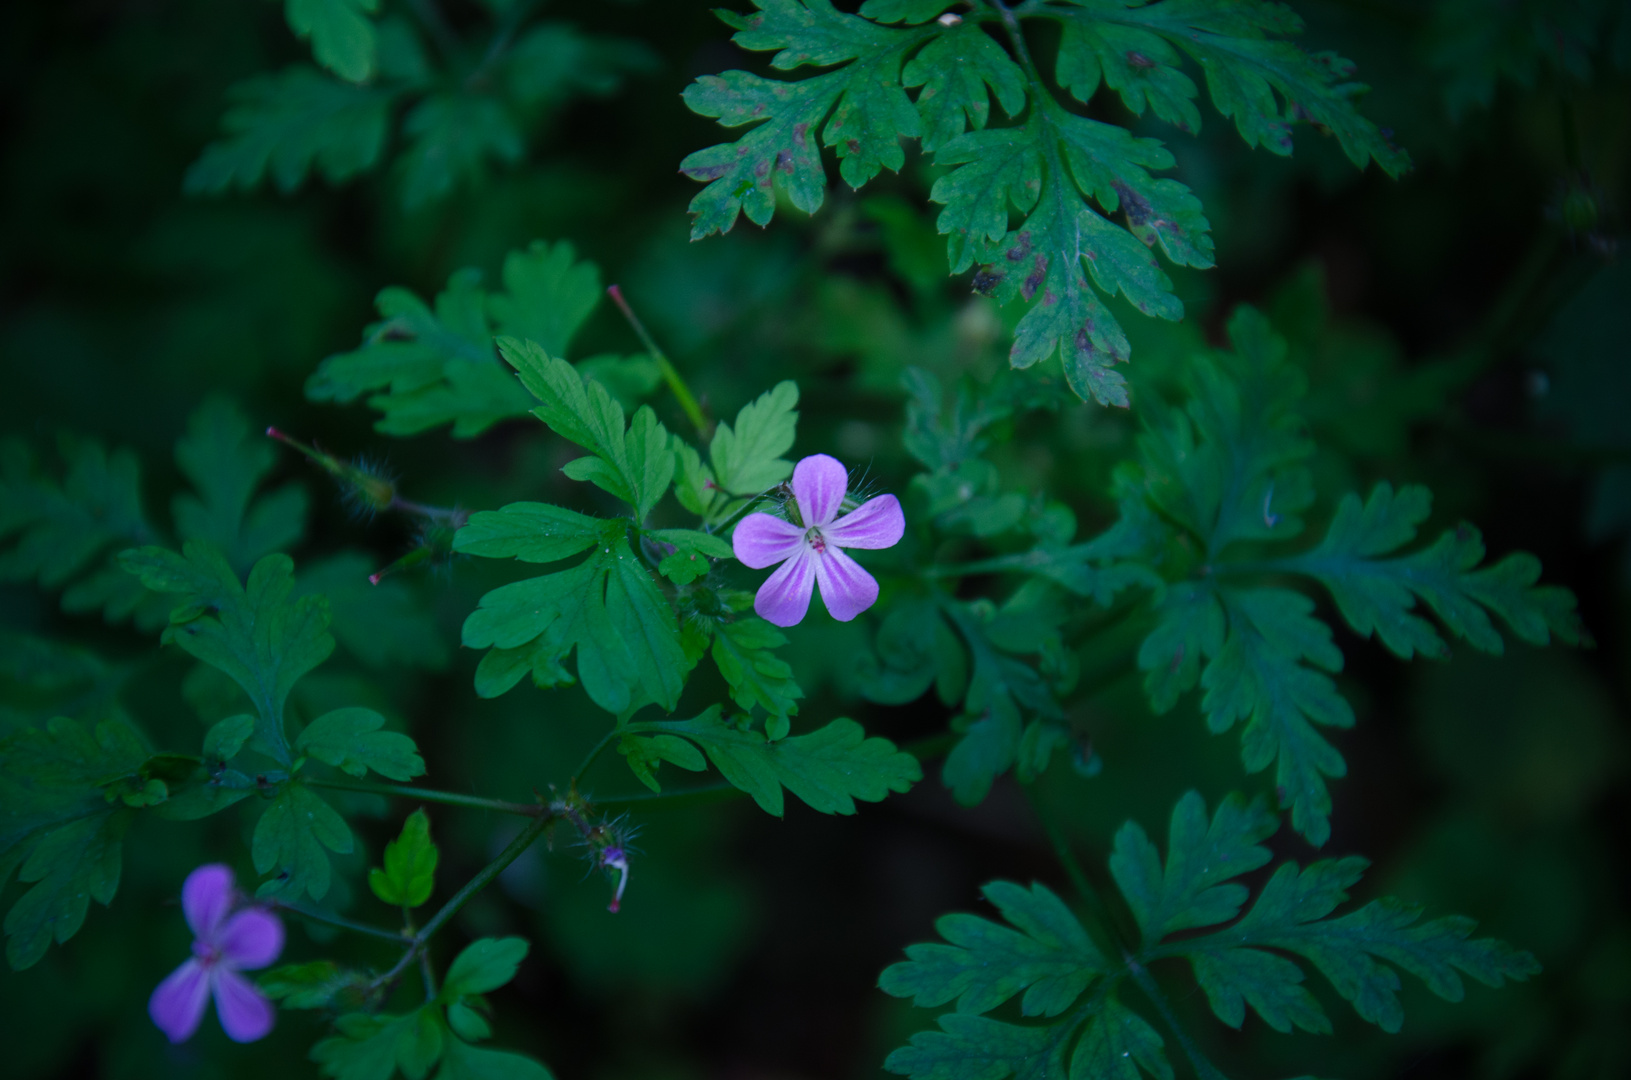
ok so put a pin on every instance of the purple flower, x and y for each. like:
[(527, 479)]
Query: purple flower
[(812, 554), (225, 942)]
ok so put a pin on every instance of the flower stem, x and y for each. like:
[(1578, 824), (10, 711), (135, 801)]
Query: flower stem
[(671, 375), (340, 921), (450, 798), (589, 759)]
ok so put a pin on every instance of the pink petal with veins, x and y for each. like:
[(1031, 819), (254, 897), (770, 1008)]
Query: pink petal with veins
[(876, 523), (762, 540), (819, 484), (785, 596), (846, 589)]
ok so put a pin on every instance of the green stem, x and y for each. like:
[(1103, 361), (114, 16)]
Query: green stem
[(589, 759), (682, 392), (340, 921), (1112, 939), (1141, 976), (524, 840), (450, 798)]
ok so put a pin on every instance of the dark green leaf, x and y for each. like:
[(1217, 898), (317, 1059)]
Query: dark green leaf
[(409, 873), (342, 38), (290, 838), (483, 966)]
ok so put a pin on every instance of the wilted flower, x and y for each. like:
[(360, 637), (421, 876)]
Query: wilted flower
[(812, 554), (225, 942)]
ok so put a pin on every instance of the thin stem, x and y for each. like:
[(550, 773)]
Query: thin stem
[(524, 840), (589, 759), (1140, 975), (1075, 871), (450, 798), (513, 18), (426, 975), (671, 375), (1016, 37), (340, 921)]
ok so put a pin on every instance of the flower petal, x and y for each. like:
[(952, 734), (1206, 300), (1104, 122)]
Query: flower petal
[(206, 897), (177, 1005), (762, 540), (251, 938), (785, 596), (819, 483), (245, 1013), (846, 589), (876, 523)]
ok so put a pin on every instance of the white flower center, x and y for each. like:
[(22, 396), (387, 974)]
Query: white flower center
[(817, 542)]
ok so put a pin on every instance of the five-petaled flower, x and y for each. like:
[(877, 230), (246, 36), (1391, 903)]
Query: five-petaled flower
[(812, 554), (225, 942)]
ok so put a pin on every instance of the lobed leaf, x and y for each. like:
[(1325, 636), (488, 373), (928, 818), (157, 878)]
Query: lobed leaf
[(350, 739), (293, 838), (409, 873)]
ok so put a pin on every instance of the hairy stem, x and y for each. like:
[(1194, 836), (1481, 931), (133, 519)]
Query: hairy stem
[(676, 383)]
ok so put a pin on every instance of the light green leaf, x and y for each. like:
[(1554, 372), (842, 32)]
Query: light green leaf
[(350, 739), (224, 739), (409, 873), (747, 459), (461, 1061), (635, 466), (483, 966), (547, 295), (531, 532)]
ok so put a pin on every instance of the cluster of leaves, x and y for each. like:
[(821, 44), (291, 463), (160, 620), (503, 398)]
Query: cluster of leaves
[(1066, 175), (460, 109), (635, 643), (64, 533), (437, 1035), (423, 366), (1215, 487), (1064, 973)]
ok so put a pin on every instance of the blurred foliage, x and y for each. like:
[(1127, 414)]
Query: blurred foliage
[(203, 209)]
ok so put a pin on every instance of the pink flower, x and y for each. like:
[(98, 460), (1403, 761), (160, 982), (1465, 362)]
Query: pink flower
[(224, 943), (812, 554)]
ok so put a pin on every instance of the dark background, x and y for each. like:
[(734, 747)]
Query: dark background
[(749, 946)]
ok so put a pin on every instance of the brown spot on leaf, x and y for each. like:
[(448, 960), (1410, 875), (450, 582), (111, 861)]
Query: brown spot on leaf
[(799, 132), (1034, 280), (1022, 249), (1135, 206), (784, 161), (1139, 60), (986, 280)]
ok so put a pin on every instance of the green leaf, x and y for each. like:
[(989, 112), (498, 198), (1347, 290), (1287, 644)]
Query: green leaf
[(1117, 1044), (553, 61), (634, 465), (63, 532), (61, 822), (1193, 888), (350, 739), (409, 874), (290, 838), (646, 752), (547, 295), (289, 124), (607, 607), (320, 984), (483, 966), (1291, 916), (979, 1048), (829, 769), (461, 1061), (342, 38), (1049, 956), (747, 460), (1376, 596), (908, 11), (692, 550), (955, 70), (869, 108), (225, 461), (224, 739), (742, 650), (450, 138), (531, 532), (1246, 65), (423, 368), (262, 636), (373, 1046)]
